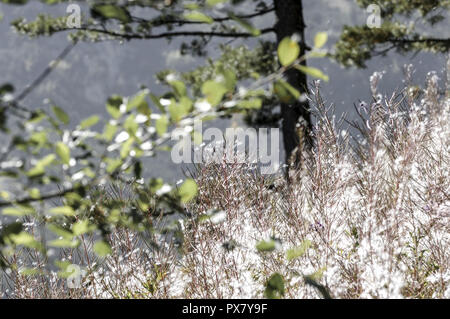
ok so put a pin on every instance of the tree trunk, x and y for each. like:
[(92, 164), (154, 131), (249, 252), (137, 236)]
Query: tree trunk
[(295, 131)]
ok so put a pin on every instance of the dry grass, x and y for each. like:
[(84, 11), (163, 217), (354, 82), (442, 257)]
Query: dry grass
[(372, 213)]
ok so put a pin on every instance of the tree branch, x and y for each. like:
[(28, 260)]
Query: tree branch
[(51, 66), (130, 36), (426, 40), (14, 103)]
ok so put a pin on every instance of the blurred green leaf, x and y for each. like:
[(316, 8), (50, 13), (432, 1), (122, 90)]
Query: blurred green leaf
[(274, 287), (102, 248), (111, 11), (288, 51), (313, 72), (298, 251), (60, 231), (61, 114), (212, 3), (197, 16), (25, 239), (266, 246), (62, 210), (188, 190), (90, 121), (138, 101), (63, 152), (213, 91), (64, 243), (161, 125), (39, 168), (19, 210), (246, 25), (82, 227), (113, 106), (320, 39)]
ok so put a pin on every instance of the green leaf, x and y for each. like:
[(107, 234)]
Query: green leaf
[(251, 104), (155, 184), (12, 228), (37, 117), (60, 114), (312, 280), (288, 51), (40, 138), (109, 131), (138, 101), (230, 79), (298, 251), (313, 72), (126, 148), (113, 105), (191, 6), (179, 88), (286, 92), (82, 227), (130, 125), (39, 168), (64, 243), (30, 271), (102, 248), (161, 125), (188, 190), (212, 3), (179, 110), (266, 246), (274, 287), (317, 54), (63, 152), (25, 239), (176, 112), (197, 137), (158, 104), (90, 121), (213, 91), (320, 39), (20, 210), (113, 164), (198, 17), (4, 195), (246, 25), (62, 264), (110, 11), (62, 210), (35, 193), (60, 231)]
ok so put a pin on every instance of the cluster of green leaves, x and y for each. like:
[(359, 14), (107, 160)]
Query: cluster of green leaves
[(44, 154), (50, 161), (122, 24), (243, 64)]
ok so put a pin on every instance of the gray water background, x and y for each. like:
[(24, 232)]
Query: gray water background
[(94, 71)]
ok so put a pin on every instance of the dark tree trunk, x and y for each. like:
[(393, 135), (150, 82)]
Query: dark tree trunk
[(289, 22)]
